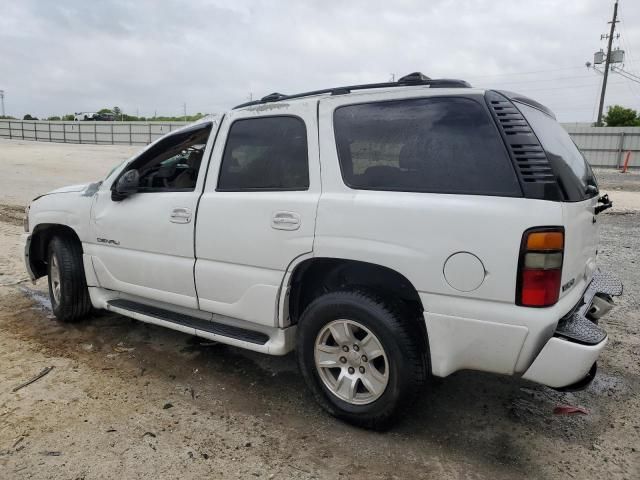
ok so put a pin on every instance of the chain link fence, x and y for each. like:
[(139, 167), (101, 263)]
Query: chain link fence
[(103, 133)]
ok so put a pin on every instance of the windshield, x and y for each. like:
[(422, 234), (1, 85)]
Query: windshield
[(114, 169), (573, 172)]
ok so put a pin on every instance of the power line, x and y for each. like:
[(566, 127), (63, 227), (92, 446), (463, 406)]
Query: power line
[(625, 74), (554, 79), (633, 88), (565, 87), (626, 45), (631, 79), (526, 73)]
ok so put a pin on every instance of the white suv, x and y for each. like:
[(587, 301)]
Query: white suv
[(387, 232)]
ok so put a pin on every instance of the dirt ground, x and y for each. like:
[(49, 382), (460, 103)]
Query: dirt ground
[(131, 400), (31, 168)]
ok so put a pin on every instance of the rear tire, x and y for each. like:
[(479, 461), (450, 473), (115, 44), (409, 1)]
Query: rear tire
[(68, 290), (362, 358)]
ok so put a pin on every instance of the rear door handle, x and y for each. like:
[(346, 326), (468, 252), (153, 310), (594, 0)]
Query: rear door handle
[(180, 215), (285, 221)]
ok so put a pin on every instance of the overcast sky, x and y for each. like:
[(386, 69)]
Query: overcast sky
[(63, 56)]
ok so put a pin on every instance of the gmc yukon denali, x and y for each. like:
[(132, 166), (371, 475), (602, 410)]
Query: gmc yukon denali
[(386, 232)]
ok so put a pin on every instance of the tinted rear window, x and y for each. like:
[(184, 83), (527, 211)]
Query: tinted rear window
[(268, 153), (573, 172), (440, 145)]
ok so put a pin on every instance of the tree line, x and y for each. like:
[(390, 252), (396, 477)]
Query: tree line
[(617, 116), (119, 116)]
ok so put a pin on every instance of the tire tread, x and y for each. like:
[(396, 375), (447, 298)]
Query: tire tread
[(75, 302)]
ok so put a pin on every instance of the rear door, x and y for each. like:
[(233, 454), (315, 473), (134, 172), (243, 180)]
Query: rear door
[(258, 210), (580, 191)]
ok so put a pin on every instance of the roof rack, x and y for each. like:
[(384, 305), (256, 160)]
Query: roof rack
[(415, 78)]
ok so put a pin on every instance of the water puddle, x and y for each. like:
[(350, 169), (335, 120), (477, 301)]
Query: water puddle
[(40, 299)]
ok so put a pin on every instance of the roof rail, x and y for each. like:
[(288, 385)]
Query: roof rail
[(415, 78)]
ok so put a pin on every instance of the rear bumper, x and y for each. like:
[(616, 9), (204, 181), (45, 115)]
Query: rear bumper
[(562, 363), (568, 358)]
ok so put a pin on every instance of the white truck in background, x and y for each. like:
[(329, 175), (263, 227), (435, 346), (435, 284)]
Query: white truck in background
[(83, 116)]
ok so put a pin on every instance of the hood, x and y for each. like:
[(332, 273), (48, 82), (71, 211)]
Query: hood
[(69, 189), (87, 189)]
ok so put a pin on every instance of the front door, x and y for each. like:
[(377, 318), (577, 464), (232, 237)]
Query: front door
[(143, 244), (257, 213)]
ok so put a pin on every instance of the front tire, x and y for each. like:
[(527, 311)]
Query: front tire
[(67, 284), (363, 358)]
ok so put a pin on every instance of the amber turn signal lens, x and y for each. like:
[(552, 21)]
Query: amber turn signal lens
[(545, 241)]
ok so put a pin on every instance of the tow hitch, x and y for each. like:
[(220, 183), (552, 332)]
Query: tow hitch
[(581, 325)]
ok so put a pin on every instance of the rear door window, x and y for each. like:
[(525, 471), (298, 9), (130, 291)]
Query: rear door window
[(439, 145), (573, 172), (268, 153)]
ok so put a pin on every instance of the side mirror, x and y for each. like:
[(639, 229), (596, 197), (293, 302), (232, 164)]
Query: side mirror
[(127, 184)]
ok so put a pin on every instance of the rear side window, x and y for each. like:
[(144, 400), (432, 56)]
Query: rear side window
[(439, 145), (571, 169), (267, 153)]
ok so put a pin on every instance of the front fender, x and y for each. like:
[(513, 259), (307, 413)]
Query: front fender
[(54, 214), (67, 209)]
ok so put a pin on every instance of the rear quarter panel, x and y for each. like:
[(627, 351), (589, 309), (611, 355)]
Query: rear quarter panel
[(415, 233)]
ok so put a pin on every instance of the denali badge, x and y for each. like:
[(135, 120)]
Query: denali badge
[(107, 241), (568, 285)]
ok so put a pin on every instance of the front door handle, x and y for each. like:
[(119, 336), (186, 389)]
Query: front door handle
[(180, 215), (285, 221)]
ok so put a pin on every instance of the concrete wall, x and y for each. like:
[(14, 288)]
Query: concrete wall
[(603, 147)]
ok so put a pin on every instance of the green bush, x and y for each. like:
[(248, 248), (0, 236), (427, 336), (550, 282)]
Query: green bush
[(619, 116)]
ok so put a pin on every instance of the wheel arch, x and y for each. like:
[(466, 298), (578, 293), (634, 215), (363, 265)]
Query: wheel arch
[(314, 276), (40, 239)]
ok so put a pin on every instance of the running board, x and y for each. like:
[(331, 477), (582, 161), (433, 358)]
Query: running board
[(186, 321)]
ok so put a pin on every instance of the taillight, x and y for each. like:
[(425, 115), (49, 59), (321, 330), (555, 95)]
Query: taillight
[(540, 267)]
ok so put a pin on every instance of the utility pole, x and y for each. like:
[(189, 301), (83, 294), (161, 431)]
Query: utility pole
[(2, 101), (606, 63), (184, 107)]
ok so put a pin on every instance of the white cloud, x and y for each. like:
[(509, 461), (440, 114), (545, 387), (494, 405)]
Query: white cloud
[(73, 55)]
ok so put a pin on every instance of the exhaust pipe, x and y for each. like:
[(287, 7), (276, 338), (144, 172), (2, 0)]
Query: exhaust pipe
[(600, 306)]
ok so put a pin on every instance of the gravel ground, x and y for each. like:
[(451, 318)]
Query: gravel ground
[(612, 179), (131, 400)]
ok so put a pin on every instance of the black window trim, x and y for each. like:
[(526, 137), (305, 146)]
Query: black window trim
[(192, 128), (266, 189), (566, 198), (476, 98), (517, 98)]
